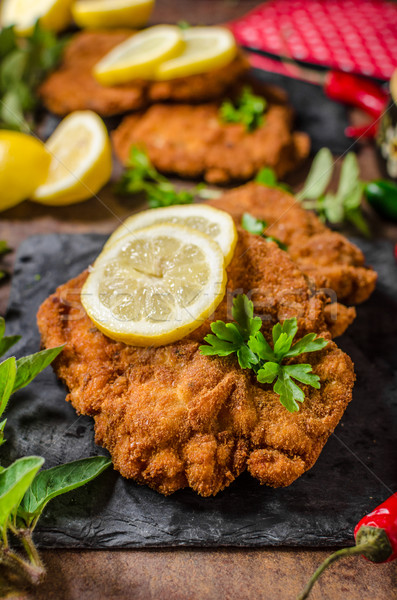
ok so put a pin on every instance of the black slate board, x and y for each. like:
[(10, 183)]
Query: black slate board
[(355, 472)]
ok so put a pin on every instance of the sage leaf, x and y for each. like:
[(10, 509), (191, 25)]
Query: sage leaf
[(28, 367), (319, 176), (14, 482), (59, 480)]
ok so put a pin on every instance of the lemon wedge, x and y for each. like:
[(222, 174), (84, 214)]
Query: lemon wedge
[(94, 14), (81, 160), (139, 56), (155, 285), (218, 224), (206, 49), (54, 15), (24, 164)]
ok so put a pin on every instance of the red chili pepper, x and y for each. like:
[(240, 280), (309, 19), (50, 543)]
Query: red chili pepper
[(376, 540)]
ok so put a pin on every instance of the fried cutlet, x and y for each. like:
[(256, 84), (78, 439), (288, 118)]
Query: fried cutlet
[(73, 87), (327, 257), (192, 141), (173, 418)]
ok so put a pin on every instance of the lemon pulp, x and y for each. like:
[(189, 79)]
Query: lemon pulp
[(155, 285)]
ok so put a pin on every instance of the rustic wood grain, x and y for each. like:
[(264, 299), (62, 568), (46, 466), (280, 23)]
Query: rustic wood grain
[(185, 574)]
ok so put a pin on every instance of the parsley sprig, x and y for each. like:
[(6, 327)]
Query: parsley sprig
[(24, 63), (258, 227), (244, 338), (141, 176), (248, 109)]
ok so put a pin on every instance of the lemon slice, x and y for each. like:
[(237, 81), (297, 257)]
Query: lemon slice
[(206, 49), (54, 15), (24, 164), (94, 14), (155, 285), (218, 224), (139, 56), (81, 160)]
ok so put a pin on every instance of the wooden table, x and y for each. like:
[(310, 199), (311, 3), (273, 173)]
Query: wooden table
[(180, 574)]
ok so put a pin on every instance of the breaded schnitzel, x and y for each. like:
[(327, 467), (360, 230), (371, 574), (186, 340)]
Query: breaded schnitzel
[(73, 87), (325, 256), (192, 141), (172, 418)]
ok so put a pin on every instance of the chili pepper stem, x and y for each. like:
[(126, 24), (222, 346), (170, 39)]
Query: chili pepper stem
[(359, 549)]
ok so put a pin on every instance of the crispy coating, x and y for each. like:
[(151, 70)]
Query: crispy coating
[(73, 87), (325, 256), (172, 418), (192, 141)]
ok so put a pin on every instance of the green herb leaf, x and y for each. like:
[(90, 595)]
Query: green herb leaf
[(303, 373), (248, 110), (257, 227), (28, 367), (254, 352), (252, 224), (141, 176), (14, 482), (59, 480), (243, 314), (24, 64), (319, 176), (309, 343), (268, 373), (267, 177), (290, 394), (8, 371), (8, 342)]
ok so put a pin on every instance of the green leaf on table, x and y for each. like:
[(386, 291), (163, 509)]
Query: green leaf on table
[(14, 482), (28, 367), (59, 480), (319, 176)]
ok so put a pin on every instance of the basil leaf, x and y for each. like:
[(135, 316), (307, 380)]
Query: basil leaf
[(59, 480), (8, 342), (14, 482), (8, 370), (319, 176), (28, 367)]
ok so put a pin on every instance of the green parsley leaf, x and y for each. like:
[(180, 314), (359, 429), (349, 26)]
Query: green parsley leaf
[(141, 177), (267, 177), (243, 314), (257, 227), (248, 110), (253, 351)]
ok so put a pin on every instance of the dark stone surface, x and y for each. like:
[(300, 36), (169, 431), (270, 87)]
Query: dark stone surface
[(355, 472)]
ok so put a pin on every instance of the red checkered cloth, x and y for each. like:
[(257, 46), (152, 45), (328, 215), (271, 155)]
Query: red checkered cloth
[(357, 36)]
